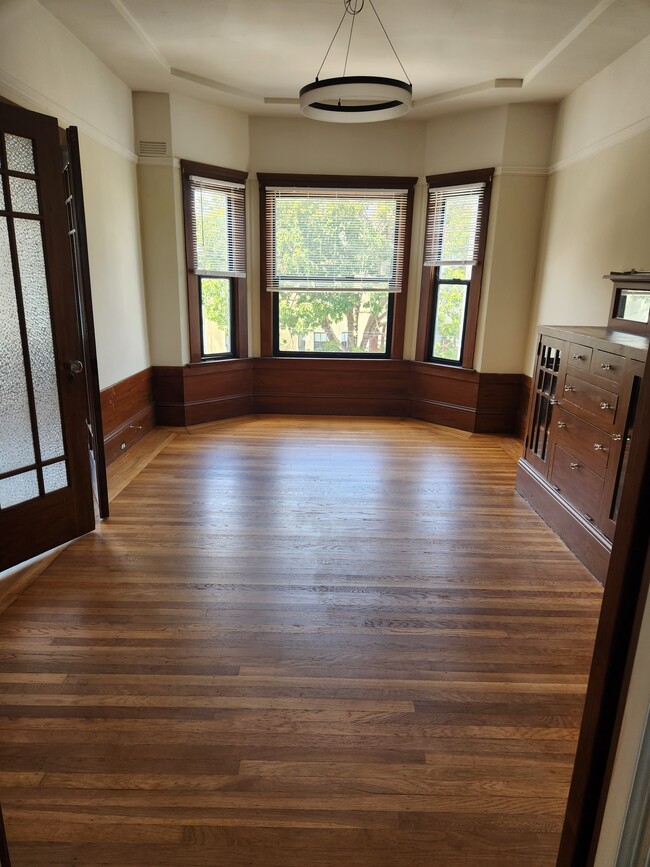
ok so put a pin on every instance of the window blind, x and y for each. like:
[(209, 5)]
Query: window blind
[(335, 239), (218, 227), (454, 219)]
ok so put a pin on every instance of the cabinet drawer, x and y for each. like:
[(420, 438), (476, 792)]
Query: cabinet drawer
[(580, 356), (577, 483), (580, 438), (598, 401), (608, 365)]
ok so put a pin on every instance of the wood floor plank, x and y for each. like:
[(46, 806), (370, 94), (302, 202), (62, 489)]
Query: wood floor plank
[(297, 641)]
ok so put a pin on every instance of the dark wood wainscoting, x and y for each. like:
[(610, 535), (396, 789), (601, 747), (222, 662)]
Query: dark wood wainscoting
[(199, 393), (127, 412), (315, 386), (524, 400), (467, 400)]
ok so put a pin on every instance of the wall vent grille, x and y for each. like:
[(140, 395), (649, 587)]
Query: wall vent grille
[(153, 149)]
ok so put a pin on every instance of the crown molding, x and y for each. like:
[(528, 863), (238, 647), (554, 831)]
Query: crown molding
[(603, 144), (522, 171), (20, 92)]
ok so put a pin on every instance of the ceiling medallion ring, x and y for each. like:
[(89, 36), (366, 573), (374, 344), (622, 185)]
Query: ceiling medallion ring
[(358, 98)]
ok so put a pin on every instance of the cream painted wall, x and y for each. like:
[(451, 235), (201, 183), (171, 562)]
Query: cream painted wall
[(61, 77), (164, 260), (314, 147), (208, 133), (113, 226), (467, 140)]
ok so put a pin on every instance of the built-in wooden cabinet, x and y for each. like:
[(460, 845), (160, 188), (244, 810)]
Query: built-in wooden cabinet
[(580, 424)]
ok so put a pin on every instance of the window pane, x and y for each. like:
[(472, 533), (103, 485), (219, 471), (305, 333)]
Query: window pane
[(349, 242), (18, 489), (216, 327), (455, 272), (333, 321), (449, 321), (210, 209)]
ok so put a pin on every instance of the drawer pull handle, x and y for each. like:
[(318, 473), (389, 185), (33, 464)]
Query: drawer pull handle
[(606, 367), (617, 437), (579, 357), (561, 424), (599, 447), (569, 388), (605, 405), (574, 465)]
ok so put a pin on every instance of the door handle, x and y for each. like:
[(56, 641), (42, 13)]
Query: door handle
[(74, 367)]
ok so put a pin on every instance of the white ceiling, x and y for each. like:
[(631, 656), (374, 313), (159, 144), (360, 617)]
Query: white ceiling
[(254, 55)]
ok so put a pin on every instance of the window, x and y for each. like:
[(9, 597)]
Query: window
[(457, 216), (335, 253), (216, 260)]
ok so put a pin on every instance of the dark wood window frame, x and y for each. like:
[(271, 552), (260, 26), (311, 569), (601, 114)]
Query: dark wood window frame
[(429, 283), (238, 290), (397, 304)]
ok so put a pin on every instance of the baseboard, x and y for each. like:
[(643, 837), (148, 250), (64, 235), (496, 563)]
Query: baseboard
[(583, 539)]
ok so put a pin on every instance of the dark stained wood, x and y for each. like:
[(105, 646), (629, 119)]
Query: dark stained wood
[(127, 412), (81, 262), (498, 402), (30, 528), (525, 390), (298, 641), (337, 386), (624, 603), (589, 545), (204, 392)]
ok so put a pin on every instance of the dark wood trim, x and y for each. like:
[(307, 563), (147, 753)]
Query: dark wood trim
[(427, 289), (81, 264), (345, 182), (127, 412), (238, 285), (450, 178), (351, 182), (624, 602), (218, 173), (524, 403)]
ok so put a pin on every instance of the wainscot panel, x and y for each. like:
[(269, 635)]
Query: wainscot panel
[(127, 413), (337, 386), (199, 393)]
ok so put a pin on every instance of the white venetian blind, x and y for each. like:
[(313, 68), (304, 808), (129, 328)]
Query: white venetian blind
[(454, 219), (335, 239), (218, 227)]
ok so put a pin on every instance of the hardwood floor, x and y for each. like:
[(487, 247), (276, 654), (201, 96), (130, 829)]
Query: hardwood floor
[(297, 643)]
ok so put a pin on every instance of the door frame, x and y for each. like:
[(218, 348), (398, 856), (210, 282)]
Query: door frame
[(624, 601)]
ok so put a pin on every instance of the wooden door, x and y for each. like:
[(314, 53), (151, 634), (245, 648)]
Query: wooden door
[(45, 486)]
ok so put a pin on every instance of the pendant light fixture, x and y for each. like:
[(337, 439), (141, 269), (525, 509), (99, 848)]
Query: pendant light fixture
[(356, 98)]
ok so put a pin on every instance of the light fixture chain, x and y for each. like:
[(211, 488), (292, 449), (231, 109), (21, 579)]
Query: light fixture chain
[(389, 42), (345, 12)]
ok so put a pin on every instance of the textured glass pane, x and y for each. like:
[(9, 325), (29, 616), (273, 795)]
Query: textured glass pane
[(18, 489), (55, 476), (20, 154), (24, 197), (39, 336), (215, 315), (333, 322), (16, 446), (449, 322), (2, 196)]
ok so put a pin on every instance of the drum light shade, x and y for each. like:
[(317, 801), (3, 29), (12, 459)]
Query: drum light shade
[(356, 99)]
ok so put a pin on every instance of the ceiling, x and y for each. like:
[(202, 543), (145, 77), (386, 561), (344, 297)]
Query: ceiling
[(254, 55)]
